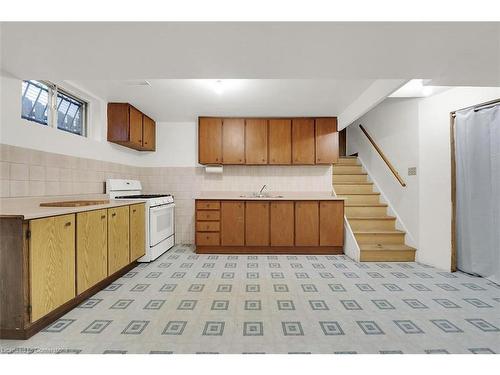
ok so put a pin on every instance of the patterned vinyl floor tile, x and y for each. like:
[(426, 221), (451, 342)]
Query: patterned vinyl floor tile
[(189, 303)]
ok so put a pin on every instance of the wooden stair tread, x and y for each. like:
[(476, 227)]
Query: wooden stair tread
[(368, 193), (353, 183), (349, 173), (378, 231), (385, 247), (371, 218), (347, 204)]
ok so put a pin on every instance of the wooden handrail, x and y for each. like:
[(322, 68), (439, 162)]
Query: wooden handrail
[(382, 155)]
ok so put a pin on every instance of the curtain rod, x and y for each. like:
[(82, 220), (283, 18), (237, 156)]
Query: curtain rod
[(478, 107)]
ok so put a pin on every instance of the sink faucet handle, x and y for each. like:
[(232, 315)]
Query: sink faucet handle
[(261, 190)]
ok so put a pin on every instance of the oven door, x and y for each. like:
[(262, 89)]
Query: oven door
[(161, 223)]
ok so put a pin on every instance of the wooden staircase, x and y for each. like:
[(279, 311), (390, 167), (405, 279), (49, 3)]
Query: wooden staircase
[(375, 231)]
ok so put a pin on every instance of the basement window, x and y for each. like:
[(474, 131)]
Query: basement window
[(47, 104)]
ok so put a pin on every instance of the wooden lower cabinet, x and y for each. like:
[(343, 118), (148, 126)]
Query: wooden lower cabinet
[(282, 223), (118, 238), (331, 229), (232, 223), (257, 224), (260, 227), (52, 263), (137, 231), (306, 223), (91, 248)]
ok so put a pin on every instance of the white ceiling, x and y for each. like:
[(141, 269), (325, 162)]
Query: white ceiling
[(180, 100), (449, 53)]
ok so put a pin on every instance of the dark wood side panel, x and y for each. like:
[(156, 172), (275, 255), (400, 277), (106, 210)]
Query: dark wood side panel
[(327, 140), (232, 223), (306, 223), (14, 290), (118, 122), (331, 223), (303, 141)]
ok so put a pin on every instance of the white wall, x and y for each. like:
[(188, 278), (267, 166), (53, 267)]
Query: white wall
[(416, 132), (394, 126), (435, 170), (16, 131)]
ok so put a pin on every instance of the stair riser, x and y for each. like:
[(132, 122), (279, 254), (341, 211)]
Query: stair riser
[(356, 189), (365, 211), (350, 178), (368, 199), (372, 224), (382, 238), (387, 256), (348, 161), (347, 169)]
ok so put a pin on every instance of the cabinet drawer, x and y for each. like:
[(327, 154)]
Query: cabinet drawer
[(207, 215), (207, 226), (207, 239), (207, 205)]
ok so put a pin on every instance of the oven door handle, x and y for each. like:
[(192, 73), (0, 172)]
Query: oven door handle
[(162, 207)]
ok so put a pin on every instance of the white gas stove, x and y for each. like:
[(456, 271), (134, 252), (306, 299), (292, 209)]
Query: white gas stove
[(160, 223)]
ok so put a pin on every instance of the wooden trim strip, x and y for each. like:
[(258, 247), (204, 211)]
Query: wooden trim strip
[(384, 158)]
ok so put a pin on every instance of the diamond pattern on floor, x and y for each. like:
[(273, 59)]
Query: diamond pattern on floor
[(189, 303)]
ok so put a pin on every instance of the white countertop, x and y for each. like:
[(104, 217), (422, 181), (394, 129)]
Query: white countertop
[(29, 208), (273, 196)]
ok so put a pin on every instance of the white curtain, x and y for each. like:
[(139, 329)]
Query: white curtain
[(477, 155)]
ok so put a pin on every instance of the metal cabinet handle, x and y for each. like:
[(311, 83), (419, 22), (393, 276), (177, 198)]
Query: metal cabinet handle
[(103, 216), (113, 214), (67, 224), (134, 210)]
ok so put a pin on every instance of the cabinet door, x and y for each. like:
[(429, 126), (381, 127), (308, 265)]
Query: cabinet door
[(306, 223), (256, 141), (280, 141), (303, 141), (210, 141), (135, 118), (232, 223), (282, 223), (327, 141), (137, 231), (52, 263), (148, 134), (233, 141), (118, 239), (257, 224), (91, 248), (331, 223)]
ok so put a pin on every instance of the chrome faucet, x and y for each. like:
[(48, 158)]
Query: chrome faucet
[(260, 194)]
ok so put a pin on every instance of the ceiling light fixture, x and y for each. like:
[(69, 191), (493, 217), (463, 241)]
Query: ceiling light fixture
[(218, 87)]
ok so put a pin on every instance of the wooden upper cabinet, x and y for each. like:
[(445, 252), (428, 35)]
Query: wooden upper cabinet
[(303, 141), (280, 141), (232, 222), (51, 263), (127, 126), (135, 127), (148, 134), (233, 141), (91, 248), (282, 223), (209, 140), (306, 223), (327, 140), (118, 239), (137, 231), (257, 224), (331, 223), (256, 141)]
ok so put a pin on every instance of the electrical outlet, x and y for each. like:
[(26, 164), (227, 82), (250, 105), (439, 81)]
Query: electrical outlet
[(412, 171)]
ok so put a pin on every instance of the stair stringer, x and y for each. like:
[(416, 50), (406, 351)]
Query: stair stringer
[(351, 247), (409, 239)]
